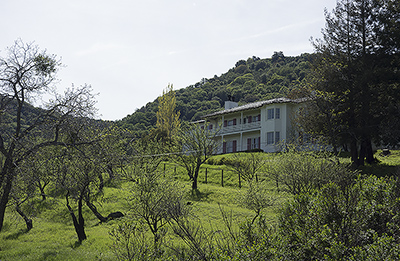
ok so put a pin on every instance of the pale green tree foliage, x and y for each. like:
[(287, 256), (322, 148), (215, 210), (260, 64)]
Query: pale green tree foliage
[(130, 242), (152, 202), (168, 123), (357, 221), (256, 197)]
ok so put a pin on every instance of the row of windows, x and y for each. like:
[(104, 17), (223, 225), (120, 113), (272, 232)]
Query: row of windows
[(252, 143), (274, 113), (248, 119), (231, 146)]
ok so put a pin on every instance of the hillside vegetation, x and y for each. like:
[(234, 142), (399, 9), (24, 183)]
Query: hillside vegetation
[(248, 81)]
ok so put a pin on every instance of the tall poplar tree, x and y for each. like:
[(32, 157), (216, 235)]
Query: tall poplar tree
[(168, 122)]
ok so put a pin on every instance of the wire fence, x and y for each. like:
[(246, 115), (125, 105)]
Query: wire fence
[(204, 174)]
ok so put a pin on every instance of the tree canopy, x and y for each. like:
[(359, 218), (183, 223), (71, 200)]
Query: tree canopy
[(355, 77)]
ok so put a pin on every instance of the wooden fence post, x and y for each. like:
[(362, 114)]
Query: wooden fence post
[(222, 177), (164, 170)]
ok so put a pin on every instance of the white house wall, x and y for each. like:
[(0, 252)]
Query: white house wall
[(273, 126), (235, 127)]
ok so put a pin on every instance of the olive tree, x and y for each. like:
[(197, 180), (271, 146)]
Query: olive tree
[(247, 165), (152, 202), (196, 146), (22, 195), (154, 197), (81, 169), (26, 73), (302, 171)]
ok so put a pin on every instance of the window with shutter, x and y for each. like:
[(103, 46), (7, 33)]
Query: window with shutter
[(277, 137), (277, 113), (270, 138), (270, 114)]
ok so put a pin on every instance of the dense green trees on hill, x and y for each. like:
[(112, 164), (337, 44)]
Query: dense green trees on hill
[(249, 80)]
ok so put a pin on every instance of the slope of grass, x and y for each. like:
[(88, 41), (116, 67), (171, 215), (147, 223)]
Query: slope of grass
[(53, 236)]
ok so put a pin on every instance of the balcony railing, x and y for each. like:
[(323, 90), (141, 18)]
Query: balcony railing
[(240, 128)]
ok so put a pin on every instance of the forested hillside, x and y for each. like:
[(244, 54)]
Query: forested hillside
[(29, 116), (249, 80), (8, 107)]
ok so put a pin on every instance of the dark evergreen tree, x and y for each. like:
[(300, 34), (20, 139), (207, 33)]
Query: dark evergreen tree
[(350, 80)]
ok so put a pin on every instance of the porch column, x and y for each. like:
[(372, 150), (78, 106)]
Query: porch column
[(241, 141)]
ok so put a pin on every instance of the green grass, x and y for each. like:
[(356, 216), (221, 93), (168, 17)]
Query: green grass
[(384, 165), (53, 236)]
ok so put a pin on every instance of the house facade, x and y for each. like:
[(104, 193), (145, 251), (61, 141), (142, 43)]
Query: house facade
[(261, 125)]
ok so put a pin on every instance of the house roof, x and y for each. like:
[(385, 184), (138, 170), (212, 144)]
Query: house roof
[(254, 105)]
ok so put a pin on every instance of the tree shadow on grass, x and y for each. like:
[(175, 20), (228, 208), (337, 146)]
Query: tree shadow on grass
[(197, 195), (16, 235), (76, 244), (49, 255), (380, 169)]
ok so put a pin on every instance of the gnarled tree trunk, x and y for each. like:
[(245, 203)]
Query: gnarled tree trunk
[(28, 221), (79, 223), (4, 198), (95, 212)]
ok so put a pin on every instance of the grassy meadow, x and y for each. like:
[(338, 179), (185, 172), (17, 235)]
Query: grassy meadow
[(53, 236)]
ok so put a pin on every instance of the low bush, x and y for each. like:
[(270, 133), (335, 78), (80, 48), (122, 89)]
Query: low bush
[(302, 172), (342, 223)]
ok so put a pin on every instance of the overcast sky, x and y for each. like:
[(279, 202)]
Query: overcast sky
[(130, 50)]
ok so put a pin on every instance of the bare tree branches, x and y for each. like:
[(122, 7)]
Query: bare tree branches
[(26, 73)]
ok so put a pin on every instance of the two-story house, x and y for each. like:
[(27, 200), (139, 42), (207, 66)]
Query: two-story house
[(260, 125)]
